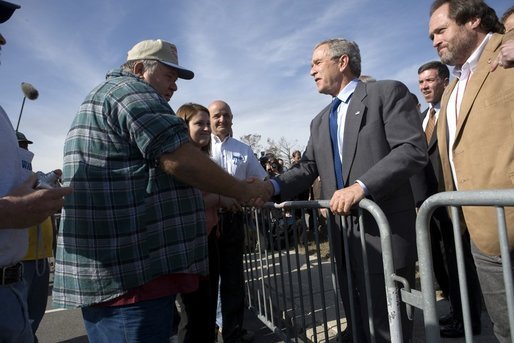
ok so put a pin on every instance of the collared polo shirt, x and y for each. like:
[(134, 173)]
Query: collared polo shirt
[(236, 157)]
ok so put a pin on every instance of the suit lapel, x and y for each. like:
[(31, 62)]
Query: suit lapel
[(423, 114), (433, 139), (354, 115), (442, 133), (324, 141), (476, 81)]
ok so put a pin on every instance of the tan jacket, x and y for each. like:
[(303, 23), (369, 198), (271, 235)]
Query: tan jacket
[(483, 151)]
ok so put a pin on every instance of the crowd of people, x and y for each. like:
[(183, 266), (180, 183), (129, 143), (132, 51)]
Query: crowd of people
[(151, 199)]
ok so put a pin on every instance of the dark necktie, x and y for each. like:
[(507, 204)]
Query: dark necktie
[(338, 166), (430, 124)]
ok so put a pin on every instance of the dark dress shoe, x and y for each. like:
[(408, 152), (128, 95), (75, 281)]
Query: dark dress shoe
[(446, 319), (456, 329), (248, 336), (345, 336)]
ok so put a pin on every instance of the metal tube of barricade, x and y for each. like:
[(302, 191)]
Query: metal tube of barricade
[(344, 230), (393, 299), (311, 295), (497, 197), (258, 223), (367, 285), (272, 272), (296, 250), (308, 264), (291, 283), (334, 273), (264, 318), (283, 309), (291, 290), (461, 269), (325, 204), (320, 276), (507, 266), (330, 221), (300, 288), (293, 325), (425, 270), (248, 265), (266, 283), (253, 260), (295, 235)]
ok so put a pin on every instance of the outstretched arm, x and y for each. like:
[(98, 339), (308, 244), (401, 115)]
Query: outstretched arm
[(191, 166)]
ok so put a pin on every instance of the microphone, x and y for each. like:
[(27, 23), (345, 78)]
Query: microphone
[(29, 92)]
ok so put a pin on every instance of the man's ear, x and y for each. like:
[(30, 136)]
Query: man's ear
[(344, 60), (138, 69), (474, 23)]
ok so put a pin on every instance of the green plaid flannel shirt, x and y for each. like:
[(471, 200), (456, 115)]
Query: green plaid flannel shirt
[(127, 222)]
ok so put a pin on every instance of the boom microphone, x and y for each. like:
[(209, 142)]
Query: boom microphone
[(28, 92)]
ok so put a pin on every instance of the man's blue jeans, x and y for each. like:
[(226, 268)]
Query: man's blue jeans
[(36, 289), (14, 319), (145, 321)]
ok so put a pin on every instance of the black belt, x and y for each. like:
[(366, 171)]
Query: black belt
[(11, 274)]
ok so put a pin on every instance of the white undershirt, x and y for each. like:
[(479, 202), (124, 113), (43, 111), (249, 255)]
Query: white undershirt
[(454, 103)]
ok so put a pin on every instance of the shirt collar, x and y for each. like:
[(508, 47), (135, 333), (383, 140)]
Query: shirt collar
[(217, 139), (471, 63), (436, 107), (348, 90)]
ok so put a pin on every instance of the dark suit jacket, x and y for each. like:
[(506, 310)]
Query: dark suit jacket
[(383, 146), (430, 179)]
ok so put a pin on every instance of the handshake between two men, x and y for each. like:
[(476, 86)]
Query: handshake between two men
[(341, 203)]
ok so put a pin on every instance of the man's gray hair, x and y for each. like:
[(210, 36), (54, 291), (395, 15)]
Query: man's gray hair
[(148, 65), (339, 47)]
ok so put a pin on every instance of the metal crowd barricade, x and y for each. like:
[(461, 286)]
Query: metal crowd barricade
[(292, 287), (425, 299)]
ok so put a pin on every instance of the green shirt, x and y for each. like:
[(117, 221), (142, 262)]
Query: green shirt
[(126, 222)]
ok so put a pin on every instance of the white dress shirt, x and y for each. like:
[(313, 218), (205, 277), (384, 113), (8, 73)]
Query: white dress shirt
[(236, 157), (454, 103), (344, 96)]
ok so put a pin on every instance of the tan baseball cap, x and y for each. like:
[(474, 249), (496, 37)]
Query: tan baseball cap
[(162, 51)]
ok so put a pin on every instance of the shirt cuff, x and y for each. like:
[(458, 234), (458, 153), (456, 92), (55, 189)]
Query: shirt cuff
[(366, 192)]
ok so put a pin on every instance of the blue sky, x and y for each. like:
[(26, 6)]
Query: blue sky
[(254, 54)]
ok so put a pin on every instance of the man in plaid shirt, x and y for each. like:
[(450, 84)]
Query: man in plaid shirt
[(133, 233)]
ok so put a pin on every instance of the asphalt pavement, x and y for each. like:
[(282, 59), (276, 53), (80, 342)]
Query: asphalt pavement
[(67, 326), (59, 325)]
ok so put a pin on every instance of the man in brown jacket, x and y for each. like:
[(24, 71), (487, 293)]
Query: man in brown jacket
[(477, 109)]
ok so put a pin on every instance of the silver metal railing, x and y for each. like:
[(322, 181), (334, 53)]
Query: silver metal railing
[(292, 287), (425, 299)]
